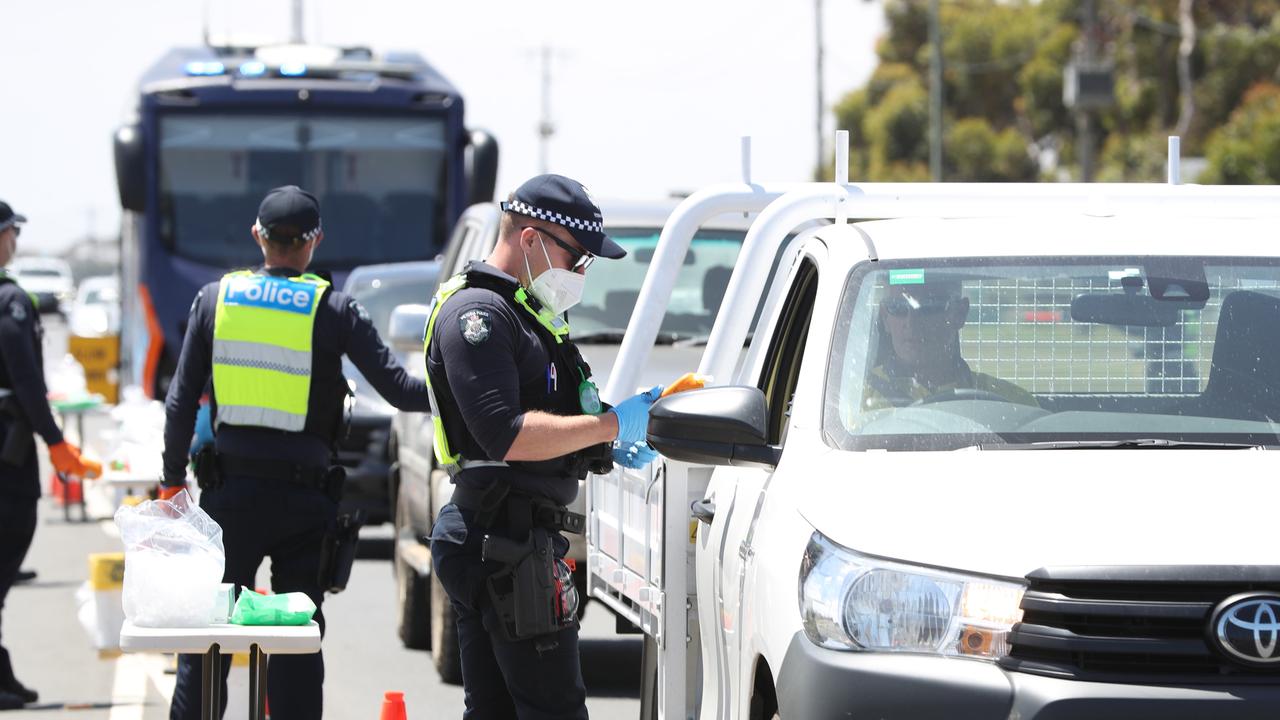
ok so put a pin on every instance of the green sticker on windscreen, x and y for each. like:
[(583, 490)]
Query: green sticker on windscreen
[(906, 277)]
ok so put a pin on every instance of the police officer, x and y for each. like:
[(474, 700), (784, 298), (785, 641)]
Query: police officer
[(518, 424), (23, 408), (273, 341)]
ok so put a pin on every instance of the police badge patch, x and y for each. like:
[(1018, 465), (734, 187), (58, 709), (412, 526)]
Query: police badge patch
[(475, 326), (18, 312)]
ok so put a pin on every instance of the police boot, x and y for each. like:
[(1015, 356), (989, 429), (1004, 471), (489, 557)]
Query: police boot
[(17, 689), (9, 701), (9, 684)]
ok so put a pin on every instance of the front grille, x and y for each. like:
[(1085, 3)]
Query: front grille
[(1132, 624)]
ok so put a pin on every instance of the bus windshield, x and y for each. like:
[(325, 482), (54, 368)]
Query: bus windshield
[(380, 182)]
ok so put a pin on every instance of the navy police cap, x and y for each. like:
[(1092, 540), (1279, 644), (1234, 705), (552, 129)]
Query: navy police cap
[(8, 217), (565, 202), (289, 212)]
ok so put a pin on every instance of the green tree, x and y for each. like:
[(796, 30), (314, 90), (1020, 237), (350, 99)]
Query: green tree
[(1004, 64), (1247, 149)]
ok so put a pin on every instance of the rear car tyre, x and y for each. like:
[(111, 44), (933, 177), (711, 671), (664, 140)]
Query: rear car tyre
[(415, 607), (444, 636), (413, 597)]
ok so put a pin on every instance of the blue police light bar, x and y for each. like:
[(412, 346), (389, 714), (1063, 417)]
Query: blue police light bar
[(293, 69), (203, 67), (253, 68)]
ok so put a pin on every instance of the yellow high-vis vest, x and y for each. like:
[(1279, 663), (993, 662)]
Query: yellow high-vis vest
[(262, 349), (446, 458)]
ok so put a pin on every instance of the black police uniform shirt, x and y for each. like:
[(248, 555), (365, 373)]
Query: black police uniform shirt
[(22, 373), (492, 355), (341, 327)]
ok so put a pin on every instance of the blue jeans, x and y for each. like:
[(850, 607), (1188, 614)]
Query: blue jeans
[(268, 518), (501, 679)]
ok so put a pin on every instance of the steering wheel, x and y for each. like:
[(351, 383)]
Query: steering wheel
[(961, 394)]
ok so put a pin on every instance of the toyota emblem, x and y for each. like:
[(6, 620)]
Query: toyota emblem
[(1247, 628)]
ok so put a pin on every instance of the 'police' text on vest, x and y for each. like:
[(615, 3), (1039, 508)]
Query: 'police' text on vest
[(271, 293)]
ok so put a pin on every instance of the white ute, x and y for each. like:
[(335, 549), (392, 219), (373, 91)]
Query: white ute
[(1081, 526)]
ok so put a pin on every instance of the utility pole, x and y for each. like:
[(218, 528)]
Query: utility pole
[(297, 38), (546, 128), (935, 92), (821, 109), (1084, 117)]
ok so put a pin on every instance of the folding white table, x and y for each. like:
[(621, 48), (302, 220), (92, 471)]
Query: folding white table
[(257, 640)]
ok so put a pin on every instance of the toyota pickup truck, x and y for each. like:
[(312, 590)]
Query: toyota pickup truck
[(996, 451)]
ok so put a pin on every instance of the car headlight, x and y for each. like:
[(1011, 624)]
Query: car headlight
[(850, 601)]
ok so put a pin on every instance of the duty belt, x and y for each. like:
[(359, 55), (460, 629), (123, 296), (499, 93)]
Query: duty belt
[(305, 475), (522, 509)]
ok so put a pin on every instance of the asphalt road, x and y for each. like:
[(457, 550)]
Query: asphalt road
[(53, 653)]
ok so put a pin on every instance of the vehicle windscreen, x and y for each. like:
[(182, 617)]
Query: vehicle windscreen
[(1071, 352), (40, 273), (382, 296), (613, 286), (380, 182)]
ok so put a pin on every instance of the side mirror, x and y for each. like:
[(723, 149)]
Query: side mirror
[(407, 326), (131, 168), (714, 426), (481, 162)]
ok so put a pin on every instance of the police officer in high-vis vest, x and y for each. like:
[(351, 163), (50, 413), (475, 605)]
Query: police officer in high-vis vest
[(518, 424), (23, 409), (272, 340)]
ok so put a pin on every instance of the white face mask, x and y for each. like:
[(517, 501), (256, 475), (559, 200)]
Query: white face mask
[(556, 288)]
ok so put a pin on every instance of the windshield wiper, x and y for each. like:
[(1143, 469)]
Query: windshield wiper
[(614, 335), (1112, 444)]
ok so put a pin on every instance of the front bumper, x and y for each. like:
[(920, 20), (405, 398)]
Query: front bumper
[(819, 683)]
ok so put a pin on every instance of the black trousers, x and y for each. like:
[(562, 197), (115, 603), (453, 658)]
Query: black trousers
[(17, 527), (260, 519), (19, 491), (501, 679)]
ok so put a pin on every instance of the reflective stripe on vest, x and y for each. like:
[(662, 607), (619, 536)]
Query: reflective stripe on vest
[(448, 460), (262, 332)]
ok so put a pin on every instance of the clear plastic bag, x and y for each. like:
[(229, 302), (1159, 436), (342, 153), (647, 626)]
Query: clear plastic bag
[(173, 562)]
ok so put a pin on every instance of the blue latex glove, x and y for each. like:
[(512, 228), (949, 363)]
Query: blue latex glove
[(204, 429), (635, 456), (633, 416)]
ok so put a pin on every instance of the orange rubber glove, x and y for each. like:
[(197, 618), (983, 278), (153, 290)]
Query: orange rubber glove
[(66, 460), (167, 492)]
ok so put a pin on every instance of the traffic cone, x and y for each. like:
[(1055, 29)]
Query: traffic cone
[(393, 706)]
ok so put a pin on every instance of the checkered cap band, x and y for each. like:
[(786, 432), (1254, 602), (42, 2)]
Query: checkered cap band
[(523, 208), (308, 236)]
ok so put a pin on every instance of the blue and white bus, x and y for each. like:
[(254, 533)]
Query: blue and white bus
[(379, 138)]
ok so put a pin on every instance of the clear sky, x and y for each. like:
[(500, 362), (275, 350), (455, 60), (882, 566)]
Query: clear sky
[(647, 97)]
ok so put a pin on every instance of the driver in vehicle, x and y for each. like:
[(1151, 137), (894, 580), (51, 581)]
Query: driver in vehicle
[(919, 357)]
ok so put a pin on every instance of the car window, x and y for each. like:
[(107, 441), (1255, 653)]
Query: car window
[(613, 286), (949, 353), (380, 299), (786, 350)]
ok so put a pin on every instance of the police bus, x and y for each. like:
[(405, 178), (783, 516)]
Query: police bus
[(378, 137)]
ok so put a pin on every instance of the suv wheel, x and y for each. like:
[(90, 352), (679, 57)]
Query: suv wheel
[(413, 595), (444, 636)]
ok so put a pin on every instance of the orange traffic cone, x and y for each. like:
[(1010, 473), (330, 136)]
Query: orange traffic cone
[(393, 706)]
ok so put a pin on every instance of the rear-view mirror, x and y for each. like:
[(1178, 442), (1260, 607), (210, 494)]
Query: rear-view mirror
[(407, 326), (714, 426), (131, 168), (1126, 309)]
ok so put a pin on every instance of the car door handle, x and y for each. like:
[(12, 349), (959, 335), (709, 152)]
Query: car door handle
[(704, 510)]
